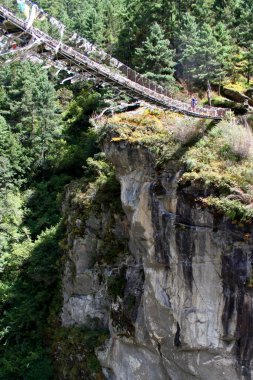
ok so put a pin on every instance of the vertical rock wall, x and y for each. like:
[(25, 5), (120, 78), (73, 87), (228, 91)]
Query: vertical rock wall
[(185, 310)]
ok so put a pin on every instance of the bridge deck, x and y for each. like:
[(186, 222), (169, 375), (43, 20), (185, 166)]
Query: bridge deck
[(44, 46)]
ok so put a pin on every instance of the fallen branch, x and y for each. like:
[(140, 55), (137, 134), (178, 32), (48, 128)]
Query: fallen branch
[(125, 107)]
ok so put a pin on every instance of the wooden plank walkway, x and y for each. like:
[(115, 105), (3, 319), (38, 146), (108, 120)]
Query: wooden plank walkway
[(44, 46)]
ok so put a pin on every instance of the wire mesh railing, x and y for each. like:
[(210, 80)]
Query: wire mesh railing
[(77, 47)]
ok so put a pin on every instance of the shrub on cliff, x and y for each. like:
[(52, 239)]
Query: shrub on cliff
[(186, 133), (239, 138)]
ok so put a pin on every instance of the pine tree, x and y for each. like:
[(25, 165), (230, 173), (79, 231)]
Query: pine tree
[(226, 11), (155, 59), (137, 15), (11, 173), (113, 11), (226, 50), (244, 30), (185, 40), (204, 58), (30, 109), (129, 36), (248, 62), (12, 160)]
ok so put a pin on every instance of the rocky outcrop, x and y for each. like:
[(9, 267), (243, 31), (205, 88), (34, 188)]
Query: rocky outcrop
[(179, 305), (237, 96), (86, 289)]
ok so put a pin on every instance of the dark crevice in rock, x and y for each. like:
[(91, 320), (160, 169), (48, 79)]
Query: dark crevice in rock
[(158, 189), (133, 293), (125, 314), (186, 246), (177, 341), (116, 284), (238, 298), (161, 223), (159, 349), (122, 325), (228, 294), (244, 343)]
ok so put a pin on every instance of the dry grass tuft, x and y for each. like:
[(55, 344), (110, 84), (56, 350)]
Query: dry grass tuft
[(186, 129), (239, 138), (185, 133)]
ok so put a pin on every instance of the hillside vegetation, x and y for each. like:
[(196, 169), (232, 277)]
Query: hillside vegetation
[(46, 141), (216, 158)]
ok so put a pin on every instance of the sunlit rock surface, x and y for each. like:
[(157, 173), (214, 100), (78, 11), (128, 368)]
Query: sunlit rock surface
[(186, 308)]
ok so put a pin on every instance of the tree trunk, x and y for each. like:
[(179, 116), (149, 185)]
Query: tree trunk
[(219, 86), (209, 93)]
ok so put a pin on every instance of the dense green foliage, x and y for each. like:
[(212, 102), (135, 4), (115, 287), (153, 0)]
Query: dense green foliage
[(80, 342), (158, 62), (44, 143), (29, 280), (29, 99)]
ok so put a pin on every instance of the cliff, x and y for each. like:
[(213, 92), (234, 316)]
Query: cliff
[(167, 274)]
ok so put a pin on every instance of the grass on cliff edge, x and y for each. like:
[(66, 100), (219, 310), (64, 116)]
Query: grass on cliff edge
[(216, 155)]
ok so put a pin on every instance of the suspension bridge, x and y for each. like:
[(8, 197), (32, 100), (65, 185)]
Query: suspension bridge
[(21, 40)]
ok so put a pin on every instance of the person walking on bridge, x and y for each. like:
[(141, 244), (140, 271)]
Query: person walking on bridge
[(193, 103)]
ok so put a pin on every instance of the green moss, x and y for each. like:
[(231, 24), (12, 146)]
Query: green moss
[(233, 209), (122, 324), (111, 248), (131, 302), (97, 195), (98, 187), (219, 101), (116, 284), (74, 351), (218, 157), (237, 86), (249, 282), (165, 134)]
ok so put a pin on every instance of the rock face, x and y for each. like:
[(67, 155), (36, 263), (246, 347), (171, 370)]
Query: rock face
[(236, 95), (185, 310)]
